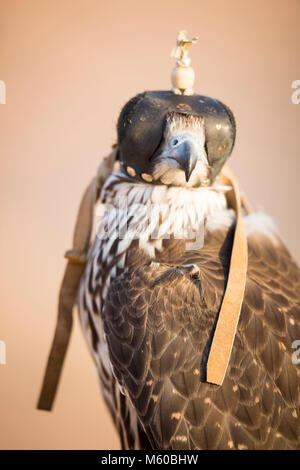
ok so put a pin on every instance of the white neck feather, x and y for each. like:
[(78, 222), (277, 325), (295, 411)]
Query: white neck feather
[(157, 210)]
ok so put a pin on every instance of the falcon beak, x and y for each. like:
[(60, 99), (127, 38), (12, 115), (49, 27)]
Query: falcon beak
[(186, 154)]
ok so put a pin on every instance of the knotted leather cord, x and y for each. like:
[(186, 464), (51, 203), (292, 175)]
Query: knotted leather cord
[(68, 292), (229, 314)]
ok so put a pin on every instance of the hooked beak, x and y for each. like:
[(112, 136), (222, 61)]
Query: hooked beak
[(186, 155)]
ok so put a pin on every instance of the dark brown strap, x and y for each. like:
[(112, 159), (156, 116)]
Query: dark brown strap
[(62, 335), (229, 314), (69, 287)]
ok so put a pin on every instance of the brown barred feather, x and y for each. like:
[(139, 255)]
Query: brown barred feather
[(258, 405), (158, 319)]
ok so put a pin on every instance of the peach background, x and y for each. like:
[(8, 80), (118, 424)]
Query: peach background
[(69, 66)]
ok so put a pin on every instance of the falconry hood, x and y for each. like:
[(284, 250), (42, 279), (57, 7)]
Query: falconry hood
[(143, 118)]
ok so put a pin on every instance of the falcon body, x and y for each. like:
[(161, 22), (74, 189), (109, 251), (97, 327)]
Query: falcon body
[(149, 301)]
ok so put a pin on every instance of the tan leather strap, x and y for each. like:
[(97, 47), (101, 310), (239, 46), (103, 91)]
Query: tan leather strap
[(68, 291), (225, 331)]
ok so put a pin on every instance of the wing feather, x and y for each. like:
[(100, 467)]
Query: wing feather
[(159, 319)]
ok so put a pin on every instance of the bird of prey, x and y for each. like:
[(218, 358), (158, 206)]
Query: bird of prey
[(151, 291)]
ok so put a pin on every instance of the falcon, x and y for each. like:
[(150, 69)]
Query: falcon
[(155, 277)]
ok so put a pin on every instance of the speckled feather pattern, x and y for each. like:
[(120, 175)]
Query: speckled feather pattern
[(148, 319)]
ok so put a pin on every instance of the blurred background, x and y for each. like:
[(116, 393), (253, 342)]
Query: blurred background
[(69, 66)]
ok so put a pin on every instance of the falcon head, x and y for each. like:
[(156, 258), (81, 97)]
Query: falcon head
[(181, 158), (170, 139)]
